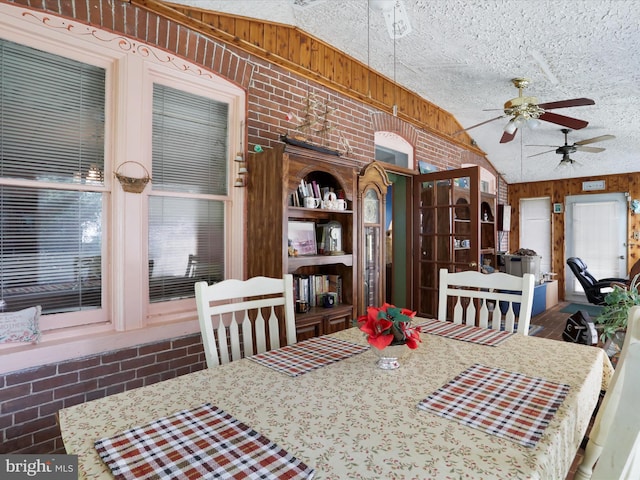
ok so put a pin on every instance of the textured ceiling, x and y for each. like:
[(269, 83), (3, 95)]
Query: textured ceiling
[(462, 55)]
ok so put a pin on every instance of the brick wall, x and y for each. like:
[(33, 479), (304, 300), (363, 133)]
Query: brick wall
[(30, 399)]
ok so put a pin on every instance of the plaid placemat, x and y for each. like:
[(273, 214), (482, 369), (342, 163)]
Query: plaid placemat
[(308, 355), (203, 442), (465, 333), (505, 404)]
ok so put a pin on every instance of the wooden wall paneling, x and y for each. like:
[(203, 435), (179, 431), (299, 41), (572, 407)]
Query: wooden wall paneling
[(359, 79), (305, 52), (243, 29), (557, 235), (256, 34), (208, 18), (282, 42), (387, 93), (295, 42), (270, 37), (343, 72), (377, 82), (339, 69), (634, 222), (329, 63), (227, 24), (404, 102), (558, 190), (317, 56)]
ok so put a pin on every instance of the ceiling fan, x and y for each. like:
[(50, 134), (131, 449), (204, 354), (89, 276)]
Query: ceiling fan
[(527, 111), (566, 149)]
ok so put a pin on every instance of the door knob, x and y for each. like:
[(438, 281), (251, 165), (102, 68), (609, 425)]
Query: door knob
[(473, 264)]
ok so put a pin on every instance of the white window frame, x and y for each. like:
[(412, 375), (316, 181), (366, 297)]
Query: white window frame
[(393, 141), (126, 317)]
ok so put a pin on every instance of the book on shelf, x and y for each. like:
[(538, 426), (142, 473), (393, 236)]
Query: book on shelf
[(316, 189), (310, 189), (303, 288), (311, 288), (335, 285)]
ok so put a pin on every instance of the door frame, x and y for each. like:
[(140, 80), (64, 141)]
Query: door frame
[(622, 200)]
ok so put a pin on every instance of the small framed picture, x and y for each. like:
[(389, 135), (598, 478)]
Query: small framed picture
[(557, 208), (424, 167), (302, 238)]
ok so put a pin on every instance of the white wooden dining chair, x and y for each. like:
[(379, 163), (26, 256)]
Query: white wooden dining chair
[(614, 440), (239, 318), (487, 300)]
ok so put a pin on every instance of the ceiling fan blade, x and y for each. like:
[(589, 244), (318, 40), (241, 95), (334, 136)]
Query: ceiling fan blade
[(572, 123), (590, 149), (601, 138), (507, 137), (574, 102), (541, 153), (479, 124)]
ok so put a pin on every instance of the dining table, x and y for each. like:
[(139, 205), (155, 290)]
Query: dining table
[(343, 417)]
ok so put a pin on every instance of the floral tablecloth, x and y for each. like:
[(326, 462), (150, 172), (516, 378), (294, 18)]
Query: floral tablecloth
[(351, 420)]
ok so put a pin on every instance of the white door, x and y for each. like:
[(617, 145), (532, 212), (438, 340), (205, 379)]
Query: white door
[(596, 232), (535, 228)]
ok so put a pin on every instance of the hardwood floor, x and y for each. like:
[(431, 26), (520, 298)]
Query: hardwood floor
[(553, 322)]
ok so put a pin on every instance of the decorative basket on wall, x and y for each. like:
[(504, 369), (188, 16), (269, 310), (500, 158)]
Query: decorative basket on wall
[(131, 184)]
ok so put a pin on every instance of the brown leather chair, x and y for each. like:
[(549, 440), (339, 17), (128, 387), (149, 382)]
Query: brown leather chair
[(635, 270)]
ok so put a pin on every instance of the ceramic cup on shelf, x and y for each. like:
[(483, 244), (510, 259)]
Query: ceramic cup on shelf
[(329, 201), (341, 204), (311, 202), (328, 300), (302, 306)]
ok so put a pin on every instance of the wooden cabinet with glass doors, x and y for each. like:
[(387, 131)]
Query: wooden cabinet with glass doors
[(454, 229), (274, 178)]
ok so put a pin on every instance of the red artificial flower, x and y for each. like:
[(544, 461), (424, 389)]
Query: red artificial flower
[(413, 337), (386, 324), (378, 330)]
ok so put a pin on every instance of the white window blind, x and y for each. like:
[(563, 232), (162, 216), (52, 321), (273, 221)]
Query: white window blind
[(186, 233), (189, 142), (52, 115)]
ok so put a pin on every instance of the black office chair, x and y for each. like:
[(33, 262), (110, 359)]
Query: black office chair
[(592, 287)]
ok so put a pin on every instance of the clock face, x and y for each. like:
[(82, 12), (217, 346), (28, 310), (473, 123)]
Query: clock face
[(371, 208)]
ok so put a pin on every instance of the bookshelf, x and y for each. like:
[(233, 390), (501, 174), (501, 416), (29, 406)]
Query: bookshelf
[(278, 227)]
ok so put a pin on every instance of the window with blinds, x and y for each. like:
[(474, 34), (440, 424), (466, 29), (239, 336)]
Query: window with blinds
[(187, 205), (52, 128)]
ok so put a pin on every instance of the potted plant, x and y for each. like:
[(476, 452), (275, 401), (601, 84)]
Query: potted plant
[(613, 319)]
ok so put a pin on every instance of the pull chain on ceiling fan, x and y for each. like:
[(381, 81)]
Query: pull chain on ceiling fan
[(527, 111)]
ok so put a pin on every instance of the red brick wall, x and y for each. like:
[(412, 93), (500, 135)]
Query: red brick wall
[(30, 399)]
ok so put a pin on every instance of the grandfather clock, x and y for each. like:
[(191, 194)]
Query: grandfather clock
[(372, 191)]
